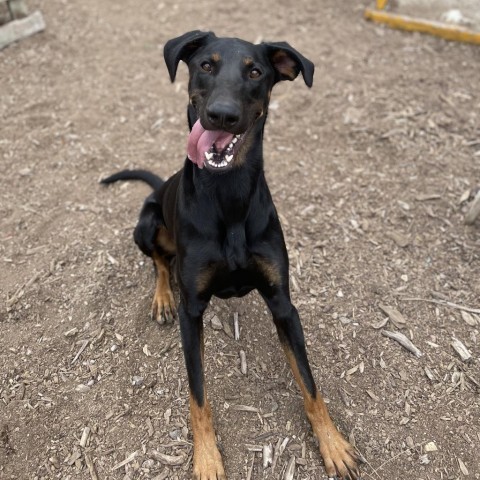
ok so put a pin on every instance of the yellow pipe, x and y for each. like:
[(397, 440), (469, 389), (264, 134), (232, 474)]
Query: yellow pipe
[(381, 4), (411, 24)]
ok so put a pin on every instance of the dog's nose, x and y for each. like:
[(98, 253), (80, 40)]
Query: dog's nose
[(223, 115)]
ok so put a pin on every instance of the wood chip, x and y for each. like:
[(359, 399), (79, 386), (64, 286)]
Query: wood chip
[(290, 471), (403, 341), (250, 470), (236, 326), (216, 323), (469, 318), (18, 29), (164, 459), (71, 332), (82, 348), (267, 455), (430, 447), (244, 408), (462, 466), (85, 435), (91, 467), (395, 316), (243, 362), (373, 396), (399, 238), (380, 324), (129, 459), (461, 349), (474, 210)]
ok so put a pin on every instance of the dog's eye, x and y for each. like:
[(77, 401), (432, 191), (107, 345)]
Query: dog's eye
[(207, 67), (255, 73)]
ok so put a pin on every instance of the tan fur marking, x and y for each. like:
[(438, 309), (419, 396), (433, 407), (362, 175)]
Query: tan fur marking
[(248, 61), (165, 241), (216, 57), (337, 453), (204, 278), (207, 461), (269, 270)]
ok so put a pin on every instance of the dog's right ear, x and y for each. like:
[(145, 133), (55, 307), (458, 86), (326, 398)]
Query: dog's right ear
[(183, 47)]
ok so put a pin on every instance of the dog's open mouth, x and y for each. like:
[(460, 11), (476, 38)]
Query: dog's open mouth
[(214, 149)]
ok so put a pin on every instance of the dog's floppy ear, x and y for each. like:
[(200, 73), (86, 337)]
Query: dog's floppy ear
[(288, 63), (182, 48)]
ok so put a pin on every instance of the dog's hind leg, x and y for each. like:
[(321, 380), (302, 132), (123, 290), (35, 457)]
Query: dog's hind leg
[(155, 241), (163, 304)]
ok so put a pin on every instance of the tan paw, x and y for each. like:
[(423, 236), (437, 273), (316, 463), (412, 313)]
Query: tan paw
[(341, 461), (163, 308), (207, 464)]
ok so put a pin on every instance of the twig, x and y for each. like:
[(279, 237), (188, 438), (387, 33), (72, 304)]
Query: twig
[(250, 470), (441, 302), (243, 362), (82, 348), (403, 341), (236, 326), (129, 459), (91, 466)]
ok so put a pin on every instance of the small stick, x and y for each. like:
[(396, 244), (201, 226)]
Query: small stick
[(243, 362), (129, 459), (290, 471), (91, 467), (82, 348), (403, 341), (441, 302), (250, 470), (461, 350), (236, 326)]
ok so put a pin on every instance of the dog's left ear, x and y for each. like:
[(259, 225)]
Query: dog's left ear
[(288, 63), (183, 47)]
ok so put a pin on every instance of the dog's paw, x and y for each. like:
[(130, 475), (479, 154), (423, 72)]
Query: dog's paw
[(208, 465), (341, 461), (163, 308)]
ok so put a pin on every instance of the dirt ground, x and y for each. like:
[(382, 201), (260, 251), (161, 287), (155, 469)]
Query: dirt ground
[(367, 169)]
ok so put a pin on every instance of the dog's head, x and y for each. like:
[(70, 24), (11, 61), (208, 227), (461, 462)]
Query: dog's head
[(229, 88)]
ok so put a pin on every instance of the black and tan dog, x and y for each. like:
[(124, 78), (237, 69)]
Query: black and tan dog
[(217, 216)]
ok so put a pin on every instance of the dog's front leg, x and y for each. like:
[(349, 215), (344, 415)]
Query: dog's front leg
[(207, 461), (338, 455)]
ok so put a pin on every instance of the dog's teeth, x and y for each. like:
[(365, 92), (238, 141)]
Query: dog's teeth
[(208, 155), (228, 158), (223, 164), (234, 141)]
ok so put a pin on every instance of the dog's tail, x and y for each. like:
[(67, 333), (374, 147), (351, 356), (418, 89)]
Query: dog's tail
[(143, 175)]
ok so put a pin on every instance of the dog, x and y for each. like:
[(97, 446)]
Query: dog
[(217, 217)]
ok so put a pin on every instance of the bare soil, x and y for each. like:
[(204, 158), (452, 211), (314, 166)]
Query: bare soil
[(367, 170)]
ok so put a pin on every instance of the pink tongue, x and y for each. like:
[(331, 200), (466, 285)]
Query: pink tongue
[(201, 140)]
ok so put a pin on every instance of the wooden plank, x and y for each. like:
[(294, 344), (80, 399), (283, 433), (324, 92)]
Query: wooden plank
[(411, 24), (23, 28)]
